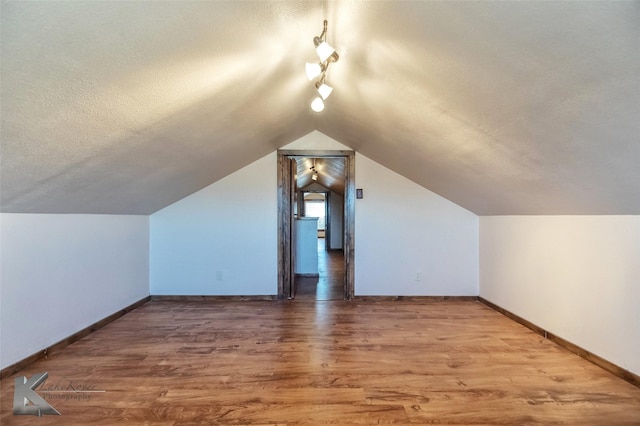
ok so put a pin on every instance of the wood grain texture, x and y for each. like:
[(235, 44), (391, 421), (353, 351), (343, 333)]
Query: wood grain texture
[(14, 368), (330, 282), (350, 226), (324, 362), (285, 227), (591, 357)]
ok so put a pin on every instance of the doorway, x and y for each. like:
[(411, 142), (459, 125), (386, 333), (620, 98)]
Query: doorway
[(321, 212), (296, 169)]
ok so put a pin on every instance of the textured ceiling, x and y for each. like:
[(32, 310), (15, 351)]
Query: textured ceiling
[(501, 107)]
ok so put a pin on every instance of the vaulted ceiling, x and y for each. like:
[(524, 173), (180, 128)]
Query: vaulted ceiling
[(501, 107), (330, 173)]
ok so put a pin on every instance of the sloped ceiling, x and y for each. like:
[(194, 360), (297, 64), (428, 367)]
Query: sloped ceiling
[(501, 107), (330, 173)]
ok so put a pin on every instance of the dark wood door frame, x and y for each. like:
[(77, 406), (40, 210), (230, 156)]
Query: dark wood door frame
[(286, 220)]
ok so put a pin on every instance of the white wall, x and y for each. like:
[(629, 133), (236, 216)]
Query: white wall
[(575, 276), (221, 240), (403, 230), (62, 273), (215, 243)]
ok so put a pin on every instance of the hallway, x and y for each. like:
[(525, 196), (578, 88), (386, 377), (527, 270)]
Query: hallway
[(330, 283)]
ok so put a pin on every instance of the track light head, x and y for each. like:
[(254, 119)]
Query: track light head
[(323, 89), (325, 51)]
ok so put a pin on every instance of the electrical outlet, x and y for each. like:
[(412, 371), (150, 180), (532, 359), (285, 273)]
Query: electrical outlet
[(418, 276), (219, 275)]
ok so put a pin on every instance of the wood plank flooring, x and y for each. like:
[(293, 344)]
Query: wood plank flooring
[(322, 362), (330, 283)]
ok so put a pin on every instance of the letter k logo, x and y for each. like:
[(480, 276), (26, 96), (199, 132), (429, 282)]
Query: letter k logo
[(24, 393)]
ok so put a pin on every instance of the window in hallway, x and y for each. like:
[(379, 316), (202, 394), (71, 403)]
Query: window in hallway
[(314, 206)]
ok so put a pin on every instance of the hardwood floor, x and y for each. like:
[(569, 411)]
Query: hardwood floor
[(322, 362), (330, 283)]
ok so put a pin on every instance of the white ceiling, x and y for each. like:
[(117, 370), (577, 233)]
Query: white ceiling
[(501, 107)]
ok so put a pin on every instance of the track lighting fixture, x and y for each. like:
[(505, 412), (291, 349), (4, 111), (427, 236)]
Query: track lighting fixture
[(327, 55)]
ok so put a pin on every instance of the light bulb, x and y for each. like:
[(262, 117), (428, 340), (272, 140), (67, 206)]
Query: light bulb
[(313, 70), (317, 105)]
